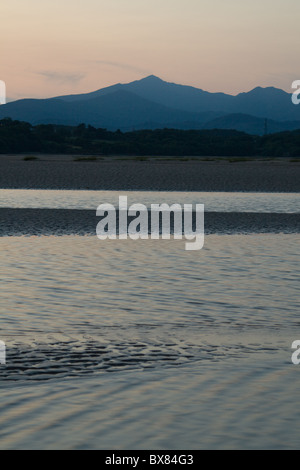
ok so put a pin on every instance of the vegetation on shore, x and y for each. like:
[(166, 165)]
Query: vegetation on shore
[(20, 137)]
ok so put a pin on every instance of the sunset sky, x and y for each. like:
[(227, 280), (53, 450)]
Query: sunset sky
[(54, 47)]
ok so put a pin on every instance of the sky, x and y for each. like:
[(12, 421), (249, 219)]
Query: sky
[(55, 47)]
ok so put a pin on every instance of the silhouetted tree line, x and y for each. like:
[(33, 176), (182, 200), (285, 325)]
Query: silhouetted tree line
[(20, 137)]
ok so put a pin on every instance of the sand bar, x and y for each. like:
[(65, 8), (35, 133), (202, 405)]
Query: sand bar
[(165, 174), (20, 222)]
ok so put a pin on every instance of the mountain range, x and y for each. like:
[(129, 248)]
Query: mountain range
[(152, 103)]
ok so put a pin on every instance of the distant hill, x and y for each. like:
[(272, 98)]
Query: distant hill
[(251, 124), (21, 137), (152, 103)]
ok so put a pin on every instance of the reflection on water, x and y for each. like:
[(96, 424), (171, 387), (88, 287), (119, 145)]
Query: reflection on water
[(123, 344), (214, 202)]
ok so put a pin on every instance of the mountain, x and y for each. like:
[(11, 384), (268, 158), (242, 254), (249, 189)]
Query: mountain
[(270, 103), (117, 110), (153, 103)]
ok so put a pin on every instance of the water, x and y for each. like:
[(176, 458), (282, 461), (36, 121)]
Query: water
[(214, 201), (141, 344)]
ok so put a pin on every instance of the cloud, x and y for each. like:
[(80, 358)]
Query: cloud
[(122, 66), (61, 77)]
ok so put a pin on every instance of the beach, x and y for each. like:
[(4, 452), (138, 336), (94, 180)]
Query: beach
[(156, 174)]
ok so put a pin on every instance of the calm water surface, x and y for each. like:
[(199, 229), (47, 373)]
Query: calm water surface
[(214, 202), (123, 344)]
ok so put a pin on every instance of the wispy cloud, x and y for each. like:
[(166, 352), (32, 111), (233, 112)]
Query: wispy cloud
[(61, 77), (122, 66)]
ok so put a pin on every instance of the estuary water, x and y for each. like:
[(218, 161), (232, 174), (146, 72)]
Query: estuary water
[(140, 344), (288, 203)]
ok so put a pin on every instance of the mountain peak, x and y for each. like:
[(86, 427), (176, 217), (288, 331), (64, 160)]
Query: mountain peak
[(265, 91), (147, 83), (152, 78)]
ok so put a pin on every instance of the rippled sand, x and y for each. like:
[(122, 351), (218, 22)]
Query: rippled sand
[(18, 222)]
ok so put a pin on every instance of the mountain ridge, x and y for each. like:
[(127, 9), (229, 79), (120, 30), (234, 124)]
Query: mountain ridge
[(154, 103)]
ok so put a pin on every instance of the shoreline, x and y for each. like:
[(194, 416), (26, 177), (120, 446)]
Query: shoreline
[(149, 174)]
